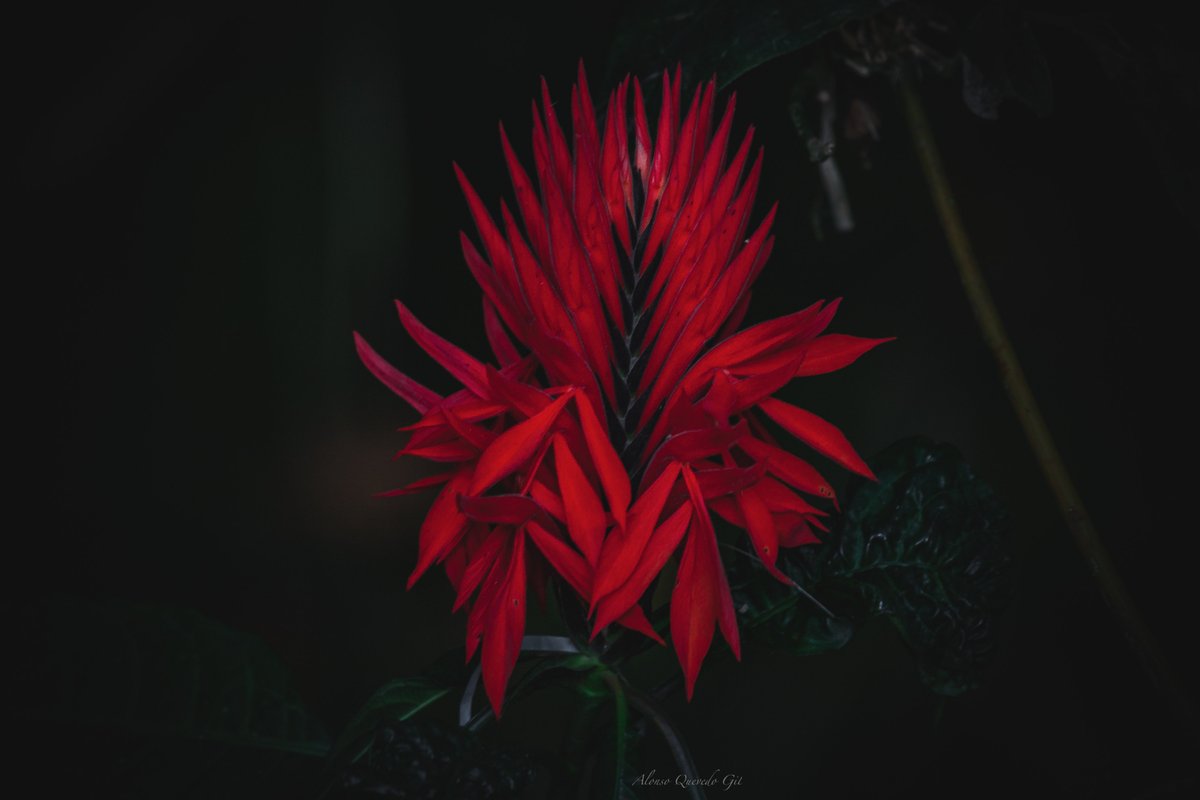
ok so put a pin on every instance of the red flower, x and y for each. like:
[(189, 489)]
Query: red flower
[(625, 407)]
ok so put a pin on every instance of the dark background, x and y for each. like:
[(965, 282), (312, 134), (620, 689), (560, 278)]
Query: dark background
[(213, 199)]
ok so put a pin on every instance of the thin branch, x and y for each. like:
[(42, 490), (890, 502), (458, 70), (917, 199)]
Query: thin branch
[(1099, 562)]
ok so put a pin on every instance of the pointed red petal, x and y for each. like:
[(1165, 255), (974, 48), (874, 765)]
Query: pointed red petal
[(505, 351), (410, 391), (817, 434), (418, 485), (462, 366), (585, 516), (641, 135), (500, 509), (493, 242), (693, 610), (480, 563), (514, 447), (761, 528), (565, 561), (622, 550), (442, 526), (613, 476), (660, 547), (502, 635), (635, 620), (727, 480), (793, 469), (528, 203), (726, 616), (834, 351)]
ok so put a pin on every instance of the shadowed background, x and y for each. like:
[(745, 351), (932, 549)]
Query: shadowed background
[(218, 197)]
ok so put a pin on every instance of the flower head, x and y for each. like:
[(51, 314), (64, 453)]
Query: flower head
[(624, 407)]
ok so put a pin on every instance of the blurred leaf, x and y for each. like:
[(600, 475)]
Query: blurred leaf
[(395, 701), (725, 37), (1002, 59), (922, 547), (165, 672)]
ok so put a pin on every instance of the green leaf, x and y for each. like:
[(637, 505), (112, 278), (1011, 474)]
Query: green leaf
[(725, 37), (923, 548), (780, 616), (395, 701), (159, 672)]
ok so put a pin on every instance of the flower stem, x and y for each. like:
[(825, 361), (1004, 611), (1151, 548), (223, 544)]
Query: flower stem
[(621, 723), (646, 706), (1099, 562)]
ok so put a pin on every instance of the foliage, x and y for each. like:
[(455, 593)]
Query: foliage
[(923, 548)]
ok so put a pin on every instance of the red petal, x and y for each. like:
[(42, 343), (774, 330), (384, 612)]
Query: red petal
[(478, 436), (500, 509), (522, 398), (480, 563), (635, 620), (514, 447), (509, 301), (503, 348), (585, 516), (664, 143), (477, 618), (493, 242), (727, 480), (445, 452), (565, 561), (462, 366), (761, 528), (441, 527), (726, 616), (817, 434), (793, 469), (622, 550), (502, 635), (418, 485), (693, 445), (753, 342), (660, 547), (548, 500), (613, 477), (692, 614), (614, 167), (641, 136), (834, 351), (410, 391), (528, 202)]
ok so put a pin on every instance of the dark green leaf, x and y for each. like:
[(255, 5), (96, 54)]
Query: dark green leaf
[(922, 547), (725, 37), (395, 701)]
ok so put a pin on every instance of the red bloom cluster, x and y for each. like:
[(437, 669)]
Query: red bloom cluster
[(624, 406)]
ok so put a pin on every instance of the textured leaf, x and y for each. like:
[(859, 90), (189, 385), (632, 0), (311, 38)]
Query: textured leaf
[(923, 547)]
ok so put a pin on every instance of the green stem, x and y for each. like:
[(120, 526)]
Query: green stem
[(646, 706), (621, 723), (1099, 562)]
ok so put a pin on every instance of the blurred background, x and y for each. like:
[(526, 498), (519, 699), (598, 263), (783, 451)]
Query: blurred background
[(215, 197)]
